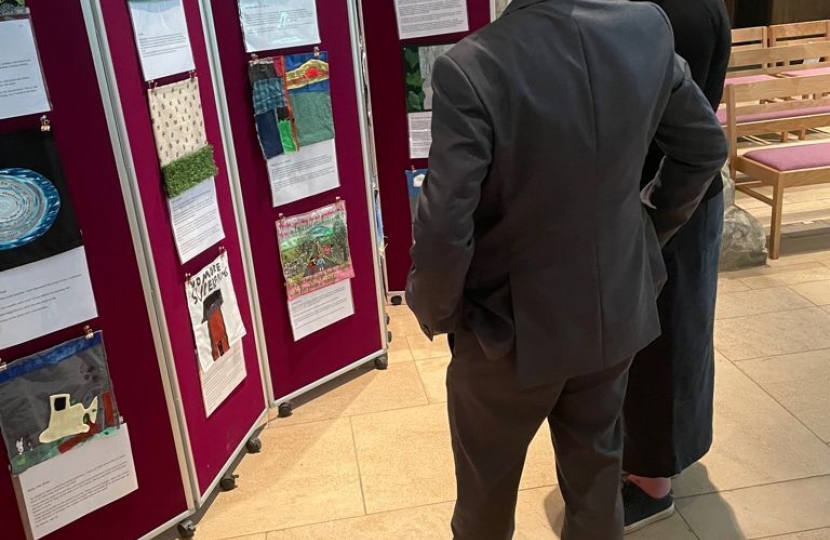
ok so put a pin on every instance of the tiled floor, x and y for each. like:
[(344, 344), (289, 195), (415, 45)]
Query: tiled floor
[(368, 457)]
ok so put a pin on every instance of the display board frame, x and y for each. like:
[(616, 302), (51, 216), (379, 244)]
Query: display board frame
[(206, 466), (389, 121), (295, 368)]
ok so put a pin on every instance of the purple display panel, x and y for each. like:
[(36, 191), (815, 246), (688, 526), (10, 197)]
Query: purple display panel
[(295, 365), (214, 440), (83, 140), (389, 118)]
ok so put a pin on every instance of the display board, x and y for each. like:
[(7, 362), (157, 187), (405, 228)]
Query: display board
[(124, 326), (176, 147), (300, 355), (393, 116)]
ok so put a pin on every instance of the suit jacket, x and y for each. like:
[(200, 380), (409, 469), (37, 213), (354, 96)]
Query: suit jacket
[(703, 37), (530, 232)]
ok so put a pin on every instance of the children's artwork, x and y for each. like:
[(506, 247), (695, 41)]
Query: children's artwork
[(414, 182), (214, 314), (55, 400), (178, 125), (314, 249), (12, 7), (307, 81), (43, 270), (272, 110), (418, 63)]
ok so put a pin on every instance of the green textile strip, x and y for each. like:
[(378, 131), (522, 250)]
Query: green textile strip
[(313, 117), (289, 144), (189, 171)]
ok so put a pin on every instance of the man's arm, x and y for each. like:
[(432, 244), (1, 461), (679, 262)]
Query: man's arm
[(719, 64), (462, 141), (695, 146)]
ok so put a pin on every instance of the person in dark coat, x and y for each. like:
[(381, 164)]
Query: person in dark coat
[(534, 249), (669, 407)]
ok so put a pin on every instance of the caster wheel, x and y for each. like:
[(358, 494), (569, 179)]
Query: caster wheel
[(254, 445), (389, 336), (187, 529), (285, 410), (397, 300), (228, 482), (382, 363)]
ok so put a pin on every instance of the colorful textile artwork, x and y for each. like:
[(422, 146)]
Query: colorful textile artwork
[(414, 183), (55, 400), (214, 313), (36, 217), (307, 81), (178, 125), (418, 63), (12, 7), (272, 110), (314, 249)]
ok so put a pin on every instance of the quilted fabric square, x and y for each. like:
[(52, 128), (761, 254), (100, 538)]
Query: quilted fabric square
[(178, 124)]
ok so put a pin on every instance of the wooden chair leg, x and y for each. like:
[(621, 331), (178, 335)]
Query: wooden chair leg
[(775, 225), (785, 137), (802, 136)]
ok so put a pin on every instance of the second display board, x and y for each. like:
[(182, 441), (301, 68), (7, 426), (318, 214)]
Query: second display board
[(297, 133)]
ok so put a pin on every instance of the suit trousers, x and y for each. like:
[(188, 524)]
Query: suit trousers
[(493, 421)]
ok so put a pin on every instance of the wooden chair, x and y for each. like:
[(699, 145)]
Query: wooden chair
[(750, 38), (773, 107), (799, 33)]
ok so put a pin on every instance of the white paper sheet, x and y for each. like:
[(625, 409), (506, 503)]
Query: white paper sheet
[(422, 18), (320, 309), (197, 224), (22, 88), (214, 313), (278, 24), (226, 375), (311, 171), (162, 38), (420, 134), (77, 483), (45, 296)]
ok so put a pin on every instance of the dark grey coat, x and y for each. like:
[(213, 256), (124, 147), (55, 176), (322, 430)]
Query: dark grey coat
[(530, 231)]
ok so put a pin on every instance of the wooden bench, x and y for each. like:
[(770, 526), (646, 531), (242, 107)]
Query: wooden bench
[(799, 33), (750, 38), (773, 107)]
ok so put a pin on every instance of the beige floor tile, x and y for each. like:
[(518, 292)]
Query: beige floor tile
[(818, 534), (758, 302), (799, 274), (402, 321), (434, 376), (799, 382), (422, 348), (760, 512), (728, 285), (400, 355), (817, 292), (774, 334), (306, 474), (756, 441), (406, 458), (364, 390)]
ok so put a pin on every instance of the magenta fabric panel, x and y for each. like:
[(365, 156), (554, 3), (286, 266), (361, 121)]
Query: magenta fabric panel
[(776, 115), (213, 440), (83, 140), (793, 157), (295, 365), (386, 78)]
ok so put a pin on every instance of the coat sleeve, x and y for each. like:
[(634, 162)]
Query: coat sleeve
[(459, 161), (695, 147)]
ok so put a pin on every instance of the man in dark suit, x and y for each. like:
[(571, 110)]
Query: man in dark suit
[(534, 250)]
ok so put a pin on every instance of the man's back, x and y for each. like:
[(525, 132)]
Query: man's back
[(542, 121)]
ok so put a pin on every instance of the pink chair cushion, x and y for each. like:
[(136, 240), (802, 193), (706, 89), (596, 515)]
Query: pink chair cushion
[(793, 158), (777, 115), (815, 72), (748, 79)]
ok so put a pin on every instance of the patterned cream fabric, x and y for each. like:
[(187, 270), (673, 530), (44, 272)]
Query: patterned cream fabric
[(178, 124)]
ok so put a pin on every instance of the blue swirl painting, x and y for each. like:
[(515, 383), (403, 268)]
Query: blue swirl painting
[(29, 206)]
